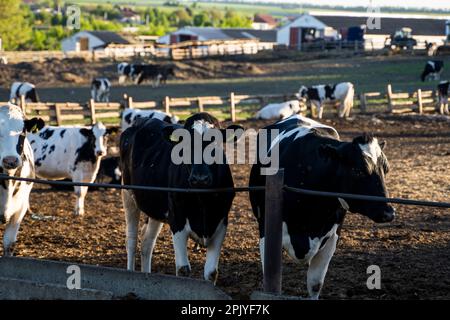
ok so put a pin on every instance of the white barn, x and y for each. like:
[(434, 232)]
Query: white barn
[(91, 40)]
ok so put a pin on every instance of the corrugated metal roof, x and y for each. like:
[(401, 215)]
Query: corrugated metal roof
[(210, 33), (109, 37)]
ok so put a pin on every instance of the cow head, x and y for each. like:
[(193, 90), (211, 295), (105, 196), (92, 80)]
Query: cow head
[(201, 173), (97, 137), (13, 129), (302, 93), (361, 169), (295, 106)]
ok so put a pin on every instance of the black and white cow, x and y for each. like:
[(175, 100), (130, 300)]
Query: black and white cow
[(16, 159), (139, 72), (145, 151), (70, 152), (23, 89), (342, 92), (279, 111), (100, 89), (124, 71), (130, 115), (314, 158), (165, 71), (432, 70), (443, 96)]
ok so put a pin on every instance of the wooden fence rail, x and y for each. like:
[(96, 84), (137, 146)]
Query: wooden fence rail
[(419, 101)]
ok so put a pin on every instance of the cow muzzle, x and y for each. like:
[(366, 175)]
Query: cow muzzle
[(10, 162), (200, 180), (2, 219), (100, 153), (387, 216)]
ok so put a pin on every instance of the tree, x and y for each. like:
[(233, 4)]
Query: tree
[(14, 29)]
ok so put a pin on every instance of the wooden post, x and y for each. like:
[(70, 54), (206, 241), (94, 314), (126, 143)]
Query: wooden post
[(273, 232), (22, 103), (390, 106), (58, 114), (200, 104), (419, 101), (130, 102), (92, 109), (167, 104), (232, 107), (363, 102)]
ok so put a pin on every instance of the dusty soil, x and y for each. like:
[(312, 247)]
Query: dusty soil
[(413, 252)]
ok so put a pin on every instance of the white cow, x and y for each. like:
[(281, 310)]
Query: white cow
[(130, 115), (16, 159), (279, 111), (23, 89), (70, 152), (100, 89), (342, 92)]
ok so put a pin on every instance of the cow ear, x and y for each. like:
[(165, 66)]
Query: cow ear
[(34, 125), (112, 130), (232, 133), (329, 151), (382, 144)]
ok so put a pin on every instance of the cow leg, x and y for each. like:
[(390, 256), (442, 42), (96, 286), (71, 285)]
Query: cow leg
[(80, 193), (132, 213), (318, 266), (150, 232), (319, 107), (11, 231), (183, 267), (211, 272)]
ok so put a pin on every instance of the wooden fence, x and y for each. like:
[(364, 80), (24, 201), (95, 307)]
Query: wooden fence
[(231, 107)]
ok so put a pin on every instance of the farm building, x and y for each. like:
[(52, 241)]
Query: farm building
[(264, 22), (91, 40), (423, 28)]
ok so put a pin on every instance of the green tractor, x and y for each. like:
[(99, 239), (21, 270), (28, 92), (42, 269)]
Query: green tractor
[(401, 40)]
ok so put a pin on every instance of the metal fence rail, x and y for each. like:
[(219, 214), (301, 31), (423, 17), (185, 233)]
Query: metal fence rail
[(424, 203)]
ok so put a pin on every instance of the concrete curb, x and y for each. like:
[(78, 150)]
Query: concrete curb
[(259, 295), (121, 283)]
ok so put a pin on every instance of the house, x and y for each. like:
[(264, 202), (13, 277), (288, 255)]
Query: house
[(91, 40), (423, 28), (264, 22), (129, 15)]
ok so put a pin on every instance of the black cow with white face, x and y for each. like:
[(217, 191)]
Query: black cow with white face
[(443, 96), (432, 70), (314, 158), (16, 159), (145, 150)]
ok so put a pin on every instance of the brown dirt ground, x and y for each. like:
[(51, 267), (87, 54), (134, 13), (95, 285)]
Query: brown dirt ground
[(413, 252)]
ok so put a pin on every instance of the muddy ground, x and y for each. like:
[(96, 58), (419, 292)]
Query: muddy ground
[(413, 252)]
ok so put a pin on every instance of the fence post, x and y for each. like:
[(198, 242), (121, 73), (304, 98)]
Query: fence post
[(130, 102), (273, 232), (167, 104), (58, 114), (389, 98), (419, 101), (363, 102), (200, 104), (232, 107), (92, 109)]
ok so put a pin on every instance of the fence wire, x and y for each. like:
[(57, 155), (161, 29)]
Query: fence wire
[(423, 203)]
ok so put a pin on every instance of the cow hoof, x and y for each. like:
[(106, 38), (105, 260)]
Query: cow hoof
[(213, 276), (184, 271)]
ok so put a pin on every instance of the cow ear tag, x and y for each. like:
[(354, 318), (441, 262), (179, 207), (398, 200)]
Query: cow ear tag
[(173, 138), (34, 129)]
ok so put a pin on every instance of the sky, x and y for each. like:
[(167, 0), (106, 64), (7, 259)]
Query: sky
[(430, 4)]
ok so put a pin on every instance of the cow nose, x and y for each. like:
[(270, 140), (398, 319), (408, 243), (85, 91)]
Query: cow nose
[(100, 153), (388, 215), (10, 162), (2, 219), (200, 180)]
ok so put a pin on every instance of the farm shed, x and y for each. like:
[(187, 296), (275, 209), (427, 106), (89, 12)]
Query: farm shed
[(266, 38), (91, 40), (264, 22), (423, 28)]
